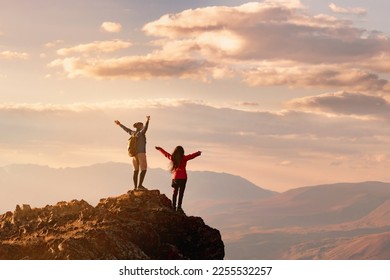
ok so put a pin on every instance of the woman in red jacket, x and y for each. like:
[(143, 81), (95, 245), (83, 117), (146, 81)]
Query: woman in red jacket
[(179, 173)]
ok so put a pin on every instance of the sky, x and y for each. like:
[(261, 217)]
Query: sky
[(283, 93)]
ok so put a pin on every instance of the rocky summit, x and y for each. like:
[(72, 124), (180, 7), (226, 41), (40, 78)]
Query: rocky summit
[(137, 225)]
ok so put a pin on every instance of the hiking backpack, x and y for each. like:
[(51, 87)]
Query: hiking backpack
[(132, 144)]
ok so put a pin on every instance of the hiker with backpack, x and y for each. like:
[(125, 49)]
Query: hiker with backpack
[(137, 150), (179, 174)]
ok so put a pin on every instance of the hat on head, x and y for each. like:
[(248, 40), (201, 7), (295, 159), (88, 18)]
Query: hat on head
[(137, 124)]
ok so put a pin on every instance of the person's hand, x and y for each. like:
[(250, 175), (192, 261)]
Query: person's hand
[(158, 148), (117, 122), (148, 118), (200, 152)]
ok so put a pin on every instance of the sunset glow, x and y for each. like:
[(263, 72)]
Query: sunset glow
[(283, 93)]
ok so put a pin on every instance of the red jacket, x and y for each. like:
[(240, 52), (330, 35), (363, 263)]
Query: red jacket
[(180, 172)]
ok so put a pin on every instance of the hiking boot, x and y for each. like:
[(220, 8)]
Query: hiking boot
[(142, 188)]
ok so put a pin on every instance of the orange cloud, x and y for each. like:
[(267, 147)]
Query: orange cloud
[(325, 76), (344, 103), (265, 43), (13, 55), (340, 10), (97, 46), (50, 133), (111, 27), (196, 21), (136, 68)]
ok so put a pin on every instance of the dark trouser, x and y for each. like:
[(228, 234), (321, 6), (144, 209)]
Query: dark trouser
[(179, 186), (141, 178)]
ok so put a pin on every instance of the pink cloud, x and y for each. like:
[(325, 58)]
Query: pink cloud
[(13, 55), (97, 46), (111, 27), (344, 103), (340, 10), (325, 76), (265, 43), (136, 68)]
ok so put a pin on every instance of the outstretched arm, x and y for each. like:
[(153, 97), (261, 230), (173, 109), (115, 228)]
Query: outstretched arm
[(192, 156), (146, 125), (128, 130), (165, 153)]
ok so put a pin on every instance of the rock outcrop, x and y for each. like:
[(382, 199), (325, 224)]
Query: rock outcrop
[(136, 225)]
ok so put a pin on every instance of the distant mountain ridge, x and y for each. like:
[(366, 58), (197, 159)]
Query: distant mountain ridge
[(40, 185), (323, 204), (319, 222)]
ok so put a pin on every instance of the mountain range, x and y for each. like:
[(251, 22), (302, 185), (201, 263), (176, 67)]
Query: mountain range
[(40, 185), (337, 221), (334, 221)]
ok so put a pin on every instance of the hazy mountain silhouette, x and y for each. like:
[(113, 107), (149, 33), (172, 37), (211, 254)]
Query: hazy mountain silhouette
[(362, 247), (41, 185), (318, 205), (320, 222)]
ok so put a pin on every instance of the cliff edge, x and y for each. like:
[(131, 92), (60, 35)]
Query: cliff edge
[(136, 225)]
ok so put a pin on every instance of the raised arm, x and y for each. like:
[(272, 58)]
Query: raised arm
[(192, 156), (128, 130), (145, 128), (165, 153)]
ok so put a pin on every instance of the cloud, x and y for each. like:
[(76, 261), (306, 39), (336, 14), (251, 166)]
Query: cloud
[(265, 43), (9, 55), (344, 103), (98, 106), (302, 142), (222, 126), (340, 10), (95, 47), (323, 76), (136, 68), (285, 163), (111, 27), (197, 21), (54, 43), (275, 43), (249, 104), (271, 30), (379, 63)]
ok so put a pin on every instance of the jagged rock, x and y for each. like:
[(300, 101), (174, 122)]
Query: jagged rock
[(136, 225)]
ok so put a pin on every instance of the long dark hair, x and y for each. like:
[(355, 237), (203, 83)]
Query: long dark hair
[(177, 156)]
